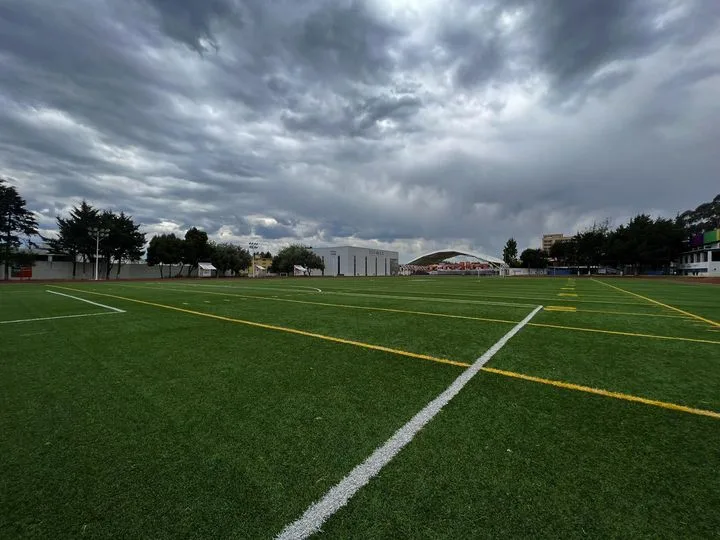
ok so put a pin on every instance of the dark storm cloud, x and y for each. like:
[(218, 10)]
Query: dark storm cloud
[(574, 39), (345, 121), (191, 21), (357, 119)]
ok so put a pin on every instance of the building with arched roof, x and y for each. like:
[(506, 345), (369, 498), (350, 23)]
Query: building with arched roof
[(437, 257)]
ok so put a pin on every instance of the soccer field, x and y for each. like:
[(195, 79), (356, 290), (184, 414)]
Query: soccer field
[(225, 408)]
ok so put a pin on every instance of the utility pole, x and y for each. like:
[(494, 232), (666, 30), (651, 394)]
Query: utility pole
[(98, 234)]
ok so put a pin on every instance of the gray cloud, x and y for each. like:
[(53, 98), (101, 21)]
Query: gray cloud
[(191, 22), (460, 122)]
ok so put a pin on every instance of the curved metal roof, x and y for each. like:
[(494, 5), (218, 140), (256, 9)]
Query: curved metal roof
[(436, 257)]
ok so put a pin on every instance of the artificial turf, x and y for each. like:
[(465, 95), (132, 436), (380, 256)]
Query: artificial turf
[(163, 422)]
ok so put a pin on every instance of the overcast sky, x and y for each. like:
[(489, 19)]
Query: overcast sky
[(400, 124)]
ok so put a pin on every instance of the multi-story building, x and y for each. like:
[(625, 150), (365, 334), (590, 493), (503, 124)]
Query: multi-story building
[(549, 239), (703, 257)]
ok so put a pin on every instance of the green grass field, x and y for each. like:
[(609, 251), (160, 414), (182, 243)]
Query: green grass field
[(224, 408)]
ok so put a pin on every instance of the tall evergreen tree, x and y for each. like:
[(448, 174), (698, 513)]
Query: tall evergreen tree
[(16, 221), (510, 252)]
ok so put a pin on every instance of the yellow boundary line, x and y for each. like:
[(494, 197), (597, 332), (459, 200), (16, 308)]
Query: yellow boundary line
[(572, 309), (666, 306), (443, 315), (618, 333), (606, 393), (471, 297), (604, 312), (278, 328), (345, 306), (559, 384)]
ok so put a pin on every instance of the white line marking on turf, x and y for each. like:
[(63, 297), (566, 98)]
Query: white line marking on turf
[(117, 310), (60, 317), (339, 495)]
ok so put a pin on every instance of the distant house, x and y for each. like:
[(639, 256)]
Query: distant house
[(206, 269)]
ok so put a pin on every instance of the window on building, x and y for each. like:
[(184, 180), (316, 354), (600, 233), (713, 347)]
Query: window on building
[(716, 256)]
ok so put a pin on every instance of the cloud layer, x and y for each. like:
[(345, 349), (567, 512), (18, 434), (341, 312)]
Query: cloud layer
[(408, 125)]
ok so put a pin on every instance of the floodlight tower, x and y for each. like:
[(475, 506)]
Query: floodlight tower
[(98, 233), (254, 247)]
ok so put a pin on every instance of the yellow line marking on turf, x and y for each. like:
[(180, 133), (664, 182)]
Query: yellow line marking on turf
[(606, 393), (667, 306), (631, 313), (278, 328), (483, 296), (444, 315), (618, 333), (567, 294), (344, 306), (572, 309)]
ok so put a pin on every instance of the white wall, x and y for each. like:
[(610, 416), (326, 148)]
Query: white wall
[(527, 271), (63, 270), (352, 261)]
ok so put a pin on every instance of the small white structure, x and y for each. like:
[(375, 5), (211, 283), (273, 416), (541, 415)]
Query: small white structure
[(260, 271), (357, 261), (206, 269), (300, 270)]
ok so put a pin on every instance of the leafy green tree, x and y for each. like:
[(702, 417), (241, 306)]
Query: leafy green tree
[(534, 258), (228, 257), (296, 254), (591, 245), (124, 241), (197, 249), (510, 252), (73, 236), (152, 257), (564, 253), (15, 221), (165, 249), (646, 244)]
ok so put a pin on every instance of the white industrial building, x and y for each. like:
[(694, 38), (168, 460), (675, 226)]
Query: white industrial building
[(357, 261)]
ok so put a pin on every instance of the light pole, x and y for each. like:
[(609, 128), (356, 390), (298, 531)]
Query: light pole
[(98, 233), (253, 247)]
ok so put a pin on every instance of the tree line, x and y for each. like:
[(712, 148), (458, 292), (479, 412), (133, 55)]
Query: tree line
[(121, 240), (169, 250), (642, 244)]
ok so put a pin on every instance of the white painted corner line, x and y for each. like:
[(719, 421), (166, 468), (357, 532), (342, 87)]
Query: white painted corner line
[(339, 495), (116, 310), (61, 317)]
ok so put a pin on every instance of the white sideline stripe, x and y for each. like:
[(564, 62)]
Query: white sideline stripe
[(117, 310), (338, 496), (61, 317)]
